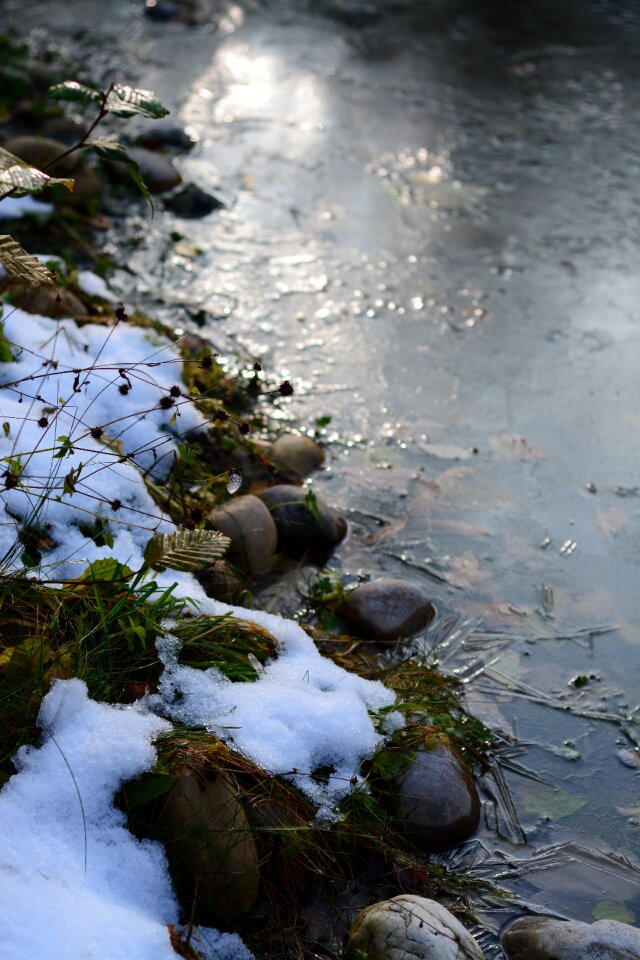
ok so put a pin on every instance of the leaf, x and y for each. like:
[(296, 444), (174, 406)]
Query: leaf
[(19, 177), (5, 357), (74, 92), (113, 150), (19, 263), (311, 503), (553, 803), (106, 570), (149, 787), (613, 910), (185, 550), (126, 101)]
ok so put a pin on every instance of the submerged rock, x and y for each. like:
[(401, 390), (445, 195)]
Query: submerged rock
[(386, 610), (437, 798), (545, 938), (411, 928), (210, 848), (299, 526), (296, 457), (252, 530), (191, 202), (165, 135)]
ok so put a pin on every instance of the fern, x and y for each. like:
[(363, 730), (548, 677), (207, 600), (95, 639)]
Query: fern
[(185, 550)]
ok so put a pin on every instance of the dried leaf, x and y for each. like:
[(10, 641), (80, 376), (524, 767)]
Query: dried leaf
[(19, 263), (185, 550), (19, 178)]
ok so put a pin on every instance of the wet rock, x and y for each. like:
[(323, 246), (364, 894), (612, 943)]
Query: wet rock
[(410, 927), (192, 202), (157, 171), (161, 135), (162, 10), (210, 848), (296, 457), (545, 938), (63, 129), (252, 530), (220, 582), (386, 610), (55, 302), (297, 524), (437, 798)]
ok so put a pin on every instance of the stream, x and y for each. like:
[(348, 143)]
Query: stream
[(433, 231)]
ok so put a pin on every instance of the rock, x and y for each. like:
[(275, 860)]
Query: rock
[(437, 798), (63, 129), (39, 151), (46, 301), (157, 171), (252, 530), (162, 10), (296, 457), (162, 135), (192, 202), (298, 527), (545, 938), (220, 582), (210, 848), (411, 928), (386, 610)]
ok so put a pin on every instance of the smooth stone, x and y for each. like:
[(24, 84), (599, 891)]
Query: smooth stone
[(46, 301), (210, 847), (253, 533), (296, 457), (297, 525), (220, 582), (157, 171), (191, 202), (38, 151), (386, 610), (409, 927), (437, 798), (161, 135), (546, 938)]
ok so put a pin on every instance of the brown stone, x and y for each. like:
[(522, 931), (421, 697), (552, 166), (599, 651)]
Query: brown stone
[(46, 301), (437, 798), (386, 610), (296, 457), (220, 582), (210, 848), (252, 531)]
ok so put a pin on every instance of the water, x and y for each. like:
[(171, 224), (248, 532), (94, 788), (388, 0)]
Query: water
[(435, 236)]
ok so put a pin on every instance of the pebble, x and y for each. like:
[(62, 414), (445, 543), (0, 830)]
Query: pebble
[(46, 301), (298, 526), (252, 530), (546, 938), (409, 927), (296, 457), (437, 798), (157, 171), (387, 610), (191, 202), (210, 847)]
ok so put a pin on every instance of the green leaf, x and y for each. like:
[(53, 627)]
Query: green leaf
[(553, 803), (113, 150), (19, 263), (18, 177), (66, 448), (185, 550), (613, 910), (149, 787), (5, 357), (107, 570), (126, 101), (311, 502), (74, 92)]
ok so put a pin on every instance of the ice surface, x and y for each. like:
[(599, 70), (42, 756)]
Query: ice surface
[(74, 883)]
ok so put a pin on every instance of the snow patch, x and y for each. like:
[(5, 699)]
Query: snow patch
[(11, 208)]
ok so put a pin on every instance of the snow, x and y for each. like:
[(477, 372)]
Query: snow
[(303, 712), (12, 208), (95, 286), (134, 419), (77, 882)]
